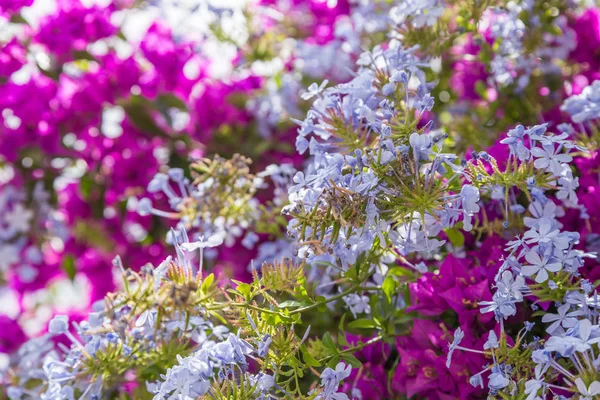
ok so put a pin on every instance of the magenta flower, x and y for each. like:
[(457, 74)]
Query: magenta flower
[(73, 27), (587, 29), (11, 335), (13, 6)]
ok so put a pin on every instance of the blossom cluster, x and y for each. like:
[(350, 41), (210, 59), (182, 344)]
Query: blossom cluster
[(306, 199)]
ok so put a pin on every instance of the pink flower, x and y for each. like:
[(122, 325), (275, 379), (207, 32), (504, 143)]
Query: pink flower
[(11, 335), (467, 72), (168, 59), (587, 29), (422, 369), (73, 27), (13, 6), (371, 380), (12, 57), (459, 286)]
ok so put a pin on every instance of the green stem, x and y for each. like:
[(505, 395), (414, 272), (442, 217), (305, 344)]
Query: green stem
[(354, 348)]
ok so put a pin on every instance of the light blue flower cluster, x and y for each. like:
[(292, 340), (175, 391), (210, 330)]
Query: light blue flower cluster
[(20, 225), (127, 332), (378, 183), (541, 262), (216, 361), (332, 60), (417, 13), (330, 381), (509, 27), (584, 107), (200, 213)]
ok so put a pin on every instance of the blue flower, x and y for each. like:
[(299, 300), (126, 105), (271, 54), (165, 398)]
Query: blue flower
[(59, 324), (492, 342), (588, 392), (585, 106), (263, 346), (539, 266), (331, 379), (564, 318), (314, 90), (470, 197), (549, 159), (476, 380), (497, 381), (458, 337)]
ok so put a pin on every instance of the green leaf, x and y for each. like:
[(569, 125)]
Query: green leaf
[(121, 35), (322, 307), (218, 316), (333, 362), (83, 55), (293, 304), (68, 265), (328, 342), (538, 313), (362, 323), (308, 359), (389, 287), (138, 110), (400, 271), (342, 339), (245, 289), (351, 273), (208, 281), (353, 361), (286, 372), (172, 101), (341, 325), (86, 185), (52, 73), (18, 19), (276, 319), (480, 89), (456, 237)]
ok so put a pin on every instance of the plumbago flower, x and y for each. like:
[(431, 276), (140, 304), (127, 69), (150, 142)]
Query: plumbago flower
[(23, 225), (510, 29), (223, 199), (362, 141), (376, 189), (544, 266), (377, 184), (172, 332), (493, 51)]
